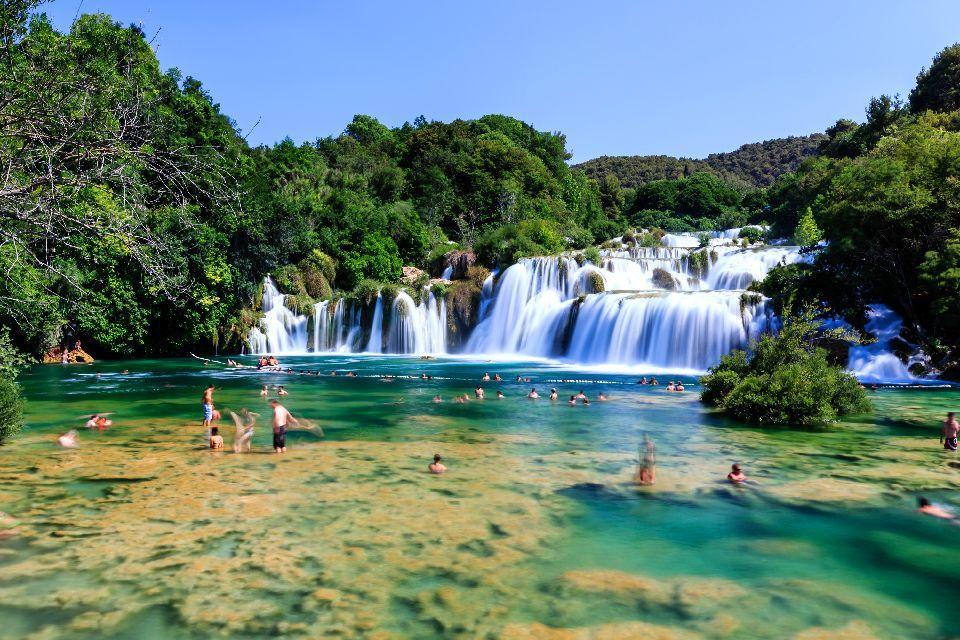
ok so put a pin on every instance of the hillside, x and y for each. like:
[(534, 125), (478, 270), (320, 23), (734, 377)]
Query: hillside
[(752, 165)]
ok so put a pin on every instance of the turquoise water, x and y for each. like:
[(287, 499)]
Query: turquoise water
[(537, 530)]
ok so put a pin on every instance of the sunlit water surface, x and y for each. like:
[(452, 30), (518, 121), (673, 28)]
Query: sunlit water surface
[(536, 531)]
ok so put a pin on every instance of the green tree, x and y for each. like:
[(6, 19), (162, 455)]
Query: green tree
[(807, 232), (938, 88)]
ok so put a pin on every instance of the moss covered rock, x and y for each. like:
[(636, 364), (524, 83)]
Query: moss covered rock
[(663, 279)]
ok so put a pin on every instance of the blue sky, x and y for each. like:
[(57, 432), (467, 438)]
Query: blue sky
[(617, 77)]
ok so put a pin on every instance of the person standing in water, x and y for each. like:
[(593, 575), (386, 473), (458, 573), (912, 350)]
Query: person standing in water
[(281, 418), (265, 391), (647, 473), (436, 467), (736, 475), (207, 405), (479, 393), (533, 395), (948, 435)]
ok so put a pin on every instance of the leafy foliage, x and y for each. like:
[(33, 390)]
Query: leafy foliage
[(784, 380)]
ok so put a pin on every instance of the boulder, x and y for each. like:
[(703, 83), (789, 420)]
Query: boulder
[(459, 263)]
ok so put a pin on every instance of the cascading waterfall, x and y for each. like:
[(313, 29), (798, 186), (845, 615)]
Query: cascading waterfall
[(655, 308), (337, 326), (675, 307)]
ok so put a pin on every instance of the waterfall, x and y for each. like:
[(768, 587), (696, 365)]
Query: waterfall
[(874, 362), (375, 344), (417, 328), (281, 330)]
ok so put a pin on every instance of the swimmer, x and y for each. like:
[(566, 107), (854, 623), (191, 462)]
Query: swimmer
[(281, 391), (68, 440), (436, 467), (125, 372), (932, 510), (679, 386), (265, 391), (486, 377), (437, 399), (586, 401), (519, 379), (281, 418), (526, 379), (572, 401), (98, 421), (670, 386), (497, 378), (581, 395), (736, 475), (646, 473), (602, 397), (351, 374), (553, 394), (642, 380), (459, 400), (654, 381), (500, 395), (333, 373), (244, 430), (948, 434), (533, 395), (216, 440), (423, 376), (479, 393), (206, 403), (465, 397)]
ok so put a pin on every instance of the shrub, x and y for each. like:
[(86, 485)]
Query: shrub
[(698, 262), (595, 282), (11, 409), (650, 240), (752, 234), (366, 291), (807, 232), (592, 254), (663, 279), (786, 379)]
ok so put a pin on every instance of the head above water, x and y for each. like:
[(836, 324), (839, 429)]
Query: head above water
[(736, 468), (436, 457), (951, 415), (923, 502), (214, 431)]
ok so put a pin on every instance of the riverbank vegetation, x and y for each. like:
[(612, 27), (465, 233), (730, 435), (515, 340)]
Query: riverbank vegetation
[(784, 379)]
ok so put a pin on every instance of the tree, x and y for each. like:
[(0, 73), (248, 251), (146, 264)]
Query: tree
[(938, 88), (807, 232), (785, 379)]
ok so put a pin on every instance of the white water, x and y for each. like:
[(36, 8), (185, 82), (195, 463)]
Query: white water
[(409, 327), (874, 362), (656, 308)]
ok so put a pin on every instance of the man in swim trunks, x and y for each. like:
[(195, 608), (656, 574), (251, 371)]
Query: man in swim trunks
[(281, 418), (207, 405), (948, 435)]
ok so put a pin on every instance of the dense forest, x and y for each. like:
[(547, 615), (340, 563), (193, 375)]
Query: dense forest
[(752, 166), (135, 217)]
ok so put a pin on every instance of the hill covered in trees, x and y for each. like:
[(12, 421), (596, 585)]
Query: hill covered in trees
[(754, 165)]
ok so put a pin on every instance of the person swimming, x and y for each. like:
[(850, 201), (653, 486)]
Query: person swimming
[(69, 440), (670, 386), (553, 394), (216, 440), (485, 378), (459, 400), (581, 395), (533, 395), (497, 378), (244, 430), (586, 401), (933, 510), (437, 399), (642, 380), (519, 378), (602, 397), (281, 391), (479, 393), (679, 387), (736, 475), (647, 471), (500, 395), (265, 391), (572, 401), (436, 467), (654, 381), (98, 421)]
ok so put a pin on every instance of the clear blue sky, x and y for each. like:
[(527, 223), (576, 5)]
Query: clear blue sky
[(618, 77)]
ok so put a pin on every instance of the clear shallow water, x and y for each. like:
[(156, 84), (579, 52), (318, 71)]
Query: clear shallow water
[(536, 530)]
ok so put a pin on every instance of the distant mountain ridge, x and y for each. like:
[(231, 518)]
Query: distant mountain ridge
[(753, 165)]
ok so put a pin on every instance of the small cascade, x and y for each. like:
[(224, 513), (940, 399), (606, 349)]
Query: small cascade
[(281, 330), (874, 362), (375, 344), (417, 328)]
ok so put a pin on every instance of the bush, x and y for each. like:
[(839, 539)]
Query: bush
[(752, 234), (650, 240), (11, 409), (506, 244), (592, 255), (786, 379)]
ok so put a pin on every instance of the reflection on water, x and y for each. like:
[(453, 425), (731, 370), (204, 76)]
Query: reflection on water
[(535, 532)]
